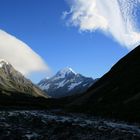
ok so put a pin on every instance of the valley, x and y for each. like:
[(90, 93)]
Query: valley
[(70, 70), (102, 111), (29, 113)]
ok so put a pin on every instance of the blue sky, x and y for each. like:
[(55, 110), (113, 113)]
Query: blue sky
[(39, 24)]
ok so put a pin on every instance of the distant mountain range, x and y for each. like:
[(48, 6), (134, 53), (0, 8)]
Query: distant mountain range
[(13, 83), (117, 93), (66, 82)]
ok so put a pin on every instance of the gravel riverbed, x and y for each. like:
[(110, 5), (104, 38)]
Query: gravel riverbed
[(56, 125)]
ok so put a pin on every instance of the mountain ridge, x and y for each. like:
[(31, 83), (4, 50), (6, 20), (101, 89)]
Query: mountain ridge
[(117, 93), (13, 81), (65, 82)]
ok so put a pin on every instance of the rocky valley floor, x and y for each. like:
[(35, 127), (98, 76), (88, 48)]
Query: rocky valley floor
[(55, 125)]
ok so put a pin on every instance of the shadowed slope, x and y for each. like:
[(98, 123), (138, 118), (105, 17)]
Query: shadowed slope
[(117, 93)]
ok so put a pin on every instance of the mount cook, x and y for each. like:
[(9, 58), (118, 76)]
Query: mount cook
[(66, 82)]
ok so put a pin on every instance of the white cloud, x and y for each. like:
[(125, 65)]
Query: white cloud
[(114, 17), (20, 55)]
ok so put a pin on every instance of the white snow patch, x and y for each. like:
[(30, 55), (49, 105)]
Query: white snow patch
[(67, 70), (2, 62), (62, 73), (61, 84), (85, 84), (47, 78), (58, 77), (1, 65), (45, 87), (73, 85)]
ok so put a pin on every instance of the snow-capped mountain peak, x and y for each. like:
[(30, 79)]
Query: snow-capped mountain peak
[(66, 82), (66, 71), (3, 62), (13, 81)]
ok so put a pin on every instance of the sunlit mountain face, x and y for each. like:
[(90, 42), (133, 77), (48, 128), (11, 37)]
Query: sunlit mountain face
[(14, 85)]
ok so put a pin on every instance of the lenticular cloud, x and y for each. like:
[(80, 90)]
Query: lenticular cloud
[(20, 55), (114, 17)]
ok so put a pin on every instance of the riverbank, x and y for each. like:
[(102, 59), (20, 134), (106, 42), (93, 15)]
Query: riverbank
[(54, 125)]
